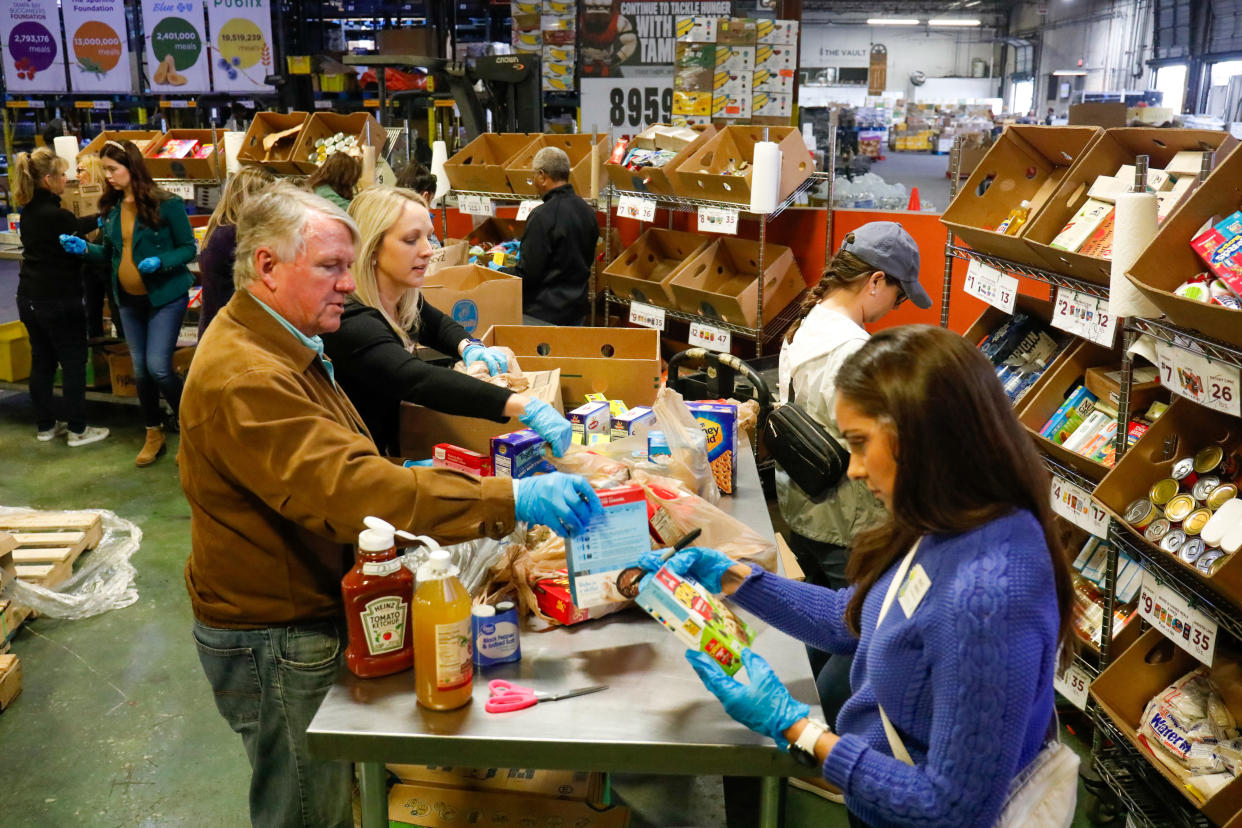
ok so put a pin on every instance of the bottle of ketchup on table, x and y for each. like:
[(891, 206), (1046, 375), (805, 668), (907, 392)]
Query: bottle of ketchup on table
[(377, 594)]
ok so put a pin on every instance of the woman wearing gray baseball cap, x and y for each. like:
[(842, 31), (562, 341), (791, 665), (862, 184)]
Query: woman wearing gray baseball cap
[(876, 269)]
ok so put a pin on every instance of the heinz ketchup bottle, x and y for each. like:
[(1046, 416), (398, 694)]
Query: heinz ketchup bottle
[(377, 594)]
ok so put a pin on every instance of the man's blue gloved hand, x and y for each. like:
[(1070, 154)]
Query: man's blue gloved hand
[(706, 566), (565, 503), (497, 362), (72, 244), (425, 464), (548, 424), (764, 705), (149, 265)]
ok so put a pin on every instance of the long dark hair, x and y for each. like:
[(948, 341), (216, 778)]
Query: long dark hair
[(844, 272), (147, 196), (952, 422)]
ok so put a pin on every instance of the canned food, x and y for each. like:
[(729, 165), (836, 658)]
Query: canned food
[(1221, 495), (1210, 561), (1196, 520), (1157, 529), (1204, 486), (1163, 491), (1140, 513), (1191, 550), (1173, 541), (1180, 506), (1208, 459), (1184, 472)]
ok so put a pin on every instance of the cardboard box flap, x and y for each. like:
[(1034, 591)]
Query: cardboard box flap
[(480, 165), (465, 277), (278, 156)]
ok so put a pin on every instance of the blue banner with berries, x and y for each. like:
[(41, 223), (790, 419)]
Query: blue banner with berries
[(242, 50)]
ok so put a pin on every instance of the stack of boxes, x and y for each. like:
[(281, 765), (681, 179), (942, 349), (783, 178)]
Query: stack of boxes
[(548, 28), (752, 65)]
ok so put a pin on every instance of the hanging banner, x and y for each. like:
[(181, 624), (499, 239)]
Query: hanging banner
[(176, 52), (30, 30), (241, 50), (98, 46)]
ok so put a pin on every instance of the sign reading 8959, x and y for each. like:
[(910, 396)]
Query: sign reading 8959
[(636, 105)]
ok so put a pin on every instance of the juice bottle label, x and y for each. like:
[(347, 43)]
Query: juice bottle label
[(384, 622), (454, 665)]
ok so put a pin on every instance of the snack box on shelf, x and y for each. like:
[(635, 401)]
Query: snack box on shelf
[(720, 281), (279, 157), (182, 164), (480, 165), (585, 151), (721, 168), (683, 141), (644, 271)]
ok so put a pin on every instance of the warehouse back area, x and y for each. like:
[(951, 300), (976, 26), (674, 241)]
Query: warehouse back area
[(547, 413)]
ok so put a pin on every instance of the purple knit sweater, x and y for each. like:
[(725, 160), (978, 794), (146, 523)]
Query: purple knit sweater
[(966, 679)]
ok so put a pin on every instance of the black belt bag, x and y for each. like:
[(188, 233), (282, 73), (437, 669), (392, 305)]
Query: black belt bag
[(803, 449)]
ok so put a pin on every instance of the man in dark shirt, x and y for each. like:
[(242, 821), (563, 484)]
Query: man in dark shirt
[(558, 247)]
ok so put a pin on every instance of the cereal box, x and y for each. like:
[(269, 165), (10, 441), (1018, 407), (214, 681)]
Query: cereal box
[(603, 558), (590, 419), (638, 421), (519, 454), (449, 456), (696, 617), (719, 423)]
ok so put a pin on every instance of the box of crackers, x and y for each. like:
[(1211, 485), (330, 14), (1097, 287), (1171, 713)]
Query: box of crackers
[(697, 617), (719, 423)]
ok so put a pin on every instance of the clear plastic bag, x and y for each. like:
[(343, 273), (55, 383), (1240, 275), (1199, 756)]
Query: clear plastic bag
[(687, 444)]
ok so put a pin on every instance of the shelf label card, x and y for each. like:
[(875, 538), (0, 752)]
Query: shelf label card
[(648, 316), (321, 104), (718, 220), (633, 207), (1072, 685), (179, 188), (476, 205), (987, 283), (1167, 611), (1076, 505), (1211, 384), (711, 338), (526, 206), (1085, 315)]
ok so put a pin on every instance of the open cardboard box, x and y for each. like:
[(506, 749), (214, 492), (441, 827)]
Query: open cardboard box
[(202, 168), (492, 231), (281, 160), (644, 270), (1025, 163), (1142, 672), (475, 297), (582, 786), (1196, 427), (703, 174), (326, 124), (1169, 260), (656, 180), (721, 281), (142, 138), (480, 165), (451, 253), (587, 153), (1106, 155), (82, 199), (121, 367)]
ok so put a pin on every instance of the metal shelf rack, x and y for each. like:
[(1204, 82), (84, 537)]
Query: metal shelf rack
[(680, 204), (1049, 277), (1135, 783), (1188, 340)]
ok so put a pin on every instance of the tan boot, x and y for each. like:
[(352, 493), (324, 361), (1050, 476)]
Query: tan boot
[(152, 448)]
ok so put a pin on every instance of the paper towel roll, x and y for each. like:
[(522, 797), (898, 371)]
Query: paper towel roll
[(1134, 226), (765, 177), (439, 154), (66, 147), (232, 146)]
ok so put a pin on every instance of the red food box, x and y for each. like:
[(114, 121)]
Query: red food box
[(552, 594), (449, 456), (1221, 248), (1100, 243)]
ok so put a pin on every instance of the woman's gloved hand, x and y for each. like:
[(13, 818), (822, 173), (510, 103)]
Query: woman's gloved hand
[(72, 244), (707, 566), (548, 423), (149, 265), (497, 362), (764, 705), (565, 503)]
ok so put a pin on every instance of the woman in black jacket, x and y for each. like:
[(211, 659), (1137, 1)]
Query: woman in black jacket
[(50, 297), (372, 351)]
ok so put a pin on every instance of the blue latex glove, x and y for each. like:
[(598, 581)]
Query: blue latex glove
[(497, 362), (419, 463), (548, 424), (149, 265), (72, 244), (764, 705), (698, 563), (565, 503)]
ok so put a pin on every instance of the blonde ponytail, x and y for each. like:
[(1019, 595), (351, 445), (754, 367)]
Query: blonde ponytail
[(29, 170)]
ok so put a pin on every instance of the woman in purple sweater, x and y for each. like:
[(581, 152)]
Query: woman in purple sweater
[(215, 257), (962, 661)]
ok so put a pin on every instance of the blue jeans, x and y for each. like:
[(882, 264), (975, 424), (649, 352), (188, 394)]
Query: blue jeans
[(152, 335), (268, 684)]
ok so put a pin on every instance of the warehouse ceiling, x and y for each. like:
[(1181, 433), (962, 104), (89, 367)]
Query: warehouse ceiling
[(990, 13)]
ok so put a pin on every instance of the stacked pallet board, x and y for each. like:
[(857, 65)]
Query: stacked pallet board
[(46, 544)]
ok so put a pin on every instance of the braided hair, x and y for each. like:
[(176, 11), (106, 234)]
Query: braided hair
[(845, 271)]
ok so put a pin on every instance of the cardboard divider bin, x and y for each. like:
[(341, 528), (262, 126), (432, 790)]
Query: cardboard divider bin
[(326, 124), (1169, 260), (475, 297), (281, 158), (1196, 428), (1107, 154), (656, 180), (1145, 669), (704, 173), (142, 138), (210, 167), (480, 165), (584, 150), (721, 281), (1025, 163), (644, 271)]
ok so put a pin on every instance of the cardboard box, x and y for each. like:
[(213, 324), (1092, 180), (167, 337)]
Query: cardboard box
[(772, 105), (1025, 162), (1105, 383), (742, 31), (700, 29), (492, 231), (410, 41), (281, 159), (142, 138), (644, 270), (451, 253), (121, 367), (777, 32), (704, 174), (326, 124), (480, 165), (10, 679), (692, 104), (210, 167), (584, 150), (721, 281), (775, 67), (434, 806), (475, 297), (82, 200), (580, 786), (655, 180), (1098, 114), (14, 352)]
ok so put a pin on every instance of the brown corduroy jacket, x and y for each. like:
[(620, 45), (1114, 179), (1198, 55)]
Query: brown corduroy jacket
[(279, 471)]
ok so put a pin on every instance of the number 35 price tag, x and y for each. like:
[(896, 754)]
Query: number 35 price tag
[(1073, 684), (1188, 628), (718, 220)]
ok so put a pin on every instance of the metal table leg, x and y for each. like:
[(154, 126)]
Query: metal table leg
[(771, 792), (373, 790)]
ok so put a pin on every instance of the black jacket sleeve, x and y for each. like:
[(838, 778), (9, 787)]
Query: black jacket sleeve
[(436, 329), (536, 249)]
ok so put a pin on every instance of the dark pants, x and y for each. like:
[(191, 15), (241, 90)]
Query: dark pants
[(97, 280), (823, 564), (152, 335), (57, 329)]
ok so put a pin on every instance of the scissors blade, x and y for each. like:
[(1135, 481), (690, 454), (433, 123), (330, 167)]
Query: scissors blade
[(569, 694)]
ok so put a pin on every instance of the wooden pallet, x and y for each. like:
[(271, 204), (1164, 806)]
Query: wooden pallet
[(48, 543), (12, 616)]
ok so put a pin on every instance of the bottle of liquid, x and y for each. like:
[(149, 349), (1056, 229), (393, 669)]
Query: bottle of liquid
[(1016, 218), (443, 665), (377, 594)]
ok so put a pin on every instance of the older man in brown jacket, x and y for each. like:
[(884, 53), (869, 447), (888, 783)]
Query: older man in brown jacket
[(279, 471)]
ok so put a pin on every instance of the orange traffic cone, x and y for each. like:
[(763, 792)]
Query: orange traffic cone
[(914, 200)]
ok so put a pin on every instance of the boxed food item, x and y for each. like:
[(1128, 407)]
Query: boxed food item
[(1085, 222), (697, 29), (652, 155), (741, 31), (719, 424), (480, 165), (692, 103), (475, 297), (731, 104), (270, 142), (775, 67), (585, 151), (519, 454), (721, 170), (636, 422), (581, 786), (171, 155), (697, 617), (603, 558), (589, 420), (720, 281), (448, 456), (1221, 247), (735, 59), (1185, 164), (772, 105), (777, 32), (1100, 242), (436, 806), (552, 595)]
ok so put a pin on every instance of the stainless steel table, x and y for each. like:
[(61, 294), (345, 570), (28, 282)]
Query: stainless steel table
[(656, 716)]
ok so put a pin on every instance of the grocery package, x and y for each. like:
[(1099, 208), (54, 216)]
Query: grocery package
[(1188, 729), (719, 423), (1220, 246), (602, 560), (1087, 425), (443, 660), (448, 456), (1021, 348), (1089, 570), (339, 142), (697, 617), (519, 454)]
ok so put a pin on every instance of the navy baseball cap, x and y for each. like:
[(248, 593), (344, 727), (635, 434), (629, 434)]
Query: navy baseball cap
[(886, 246)]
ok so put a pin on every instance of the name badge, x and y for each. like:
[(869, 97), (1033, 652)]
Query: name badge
[(912, 591)]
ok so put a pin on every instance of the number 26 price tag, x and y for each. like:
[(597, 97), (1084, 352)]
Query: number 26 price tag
[(632, 207), (1211, 384)]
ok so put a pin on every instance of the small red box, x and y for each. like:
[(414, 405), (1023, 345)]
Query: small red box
[(555, 601), (449, 456)]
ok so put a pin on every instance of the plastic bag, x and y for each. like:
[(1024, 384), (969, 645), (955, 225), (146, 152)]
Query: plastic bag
[(687, 444), (104, 579)]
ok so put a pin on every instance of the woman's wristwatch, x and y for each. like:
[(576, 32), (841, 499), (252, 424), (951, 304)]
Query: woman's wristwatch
[(803, 749)]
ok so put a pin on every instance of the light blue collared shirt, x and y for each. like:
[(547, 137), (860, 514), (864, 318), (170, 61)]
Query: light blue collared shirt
[(313, 342)]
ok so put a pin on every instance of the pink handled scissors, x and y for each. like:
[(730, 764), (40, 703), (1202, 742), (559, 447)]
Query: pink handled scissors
[(506, 697)]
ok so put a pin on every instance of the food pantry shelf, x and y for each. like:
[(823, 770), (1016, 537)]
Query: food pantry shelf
[(1066, 473), (682, 204), (1189, 340), (774, 327), (1039, 275), (1126, 774)]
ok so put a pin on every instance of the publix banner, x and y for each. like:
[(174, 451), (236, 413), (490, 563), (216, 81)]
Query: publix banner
[(98, 46), (176, 51), (241, 54), (30, 30)]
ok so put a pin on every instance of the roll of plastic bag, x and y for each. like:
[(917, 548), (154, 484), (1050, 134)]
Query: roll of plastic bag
[(66, 146), (232, 145), (439, 154), (765, 178)]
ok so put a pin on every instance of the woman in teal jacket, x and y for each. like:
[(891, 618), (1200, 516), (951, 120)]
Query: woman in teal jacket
[(147, 241)]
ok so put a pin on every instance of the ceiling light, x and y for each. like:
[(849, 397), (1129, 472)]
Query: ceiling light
[(1069, 73), (891, 21), (953, 21)]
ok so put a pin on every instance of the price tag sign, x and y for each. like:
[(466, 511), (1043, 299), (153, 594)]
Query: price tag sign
[(526, 206), (1076, 505), (989, 284), (628, 104), (476, 205), (1168, 612), (649, 316), (1211, 384), (713, 339), (633, 207), (179, 188), (323, 104), (718, 220), (1084, 315), (101, 104), (1073, 684)]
